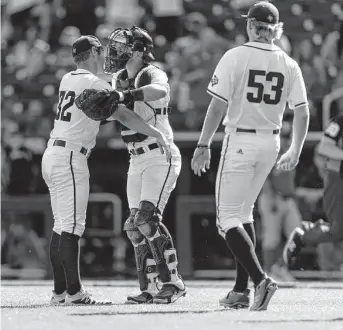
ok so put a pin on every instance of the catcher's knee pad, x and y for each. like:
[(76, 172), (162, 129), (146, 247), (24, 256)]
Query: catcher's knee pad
[(132, 232), (147, 219), (146, 266)]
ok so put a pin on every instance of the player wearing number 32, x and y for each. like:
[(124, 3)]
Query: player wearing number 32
[(251, 86), (65, 168)]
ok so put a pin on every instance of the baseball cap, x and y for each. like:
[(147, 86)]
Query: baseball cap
[(263, 11), (85, 43)]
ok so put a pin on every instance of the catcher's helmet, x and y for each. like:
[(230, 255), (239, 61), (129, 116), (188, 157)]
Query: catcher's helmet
[(122, 43)]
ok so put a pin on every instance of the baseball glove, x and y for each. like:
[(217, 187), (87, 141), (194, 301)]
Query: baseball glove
[(97, 104)]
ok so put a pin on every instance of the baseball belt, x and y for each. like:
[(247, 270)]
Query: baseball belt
[(61, 143), (142, 150)]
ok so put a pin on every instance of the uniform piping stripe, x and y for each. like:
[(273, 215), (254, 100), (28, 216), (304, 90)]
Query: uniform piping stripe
[(218, 96), (164, 184), (266, 50), (219, 183), (74, 188), (299, 104)]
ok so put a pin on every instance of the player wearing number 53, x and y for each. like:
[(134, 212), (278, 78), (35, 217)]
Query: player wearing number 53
[(65, 168), (251, 86)]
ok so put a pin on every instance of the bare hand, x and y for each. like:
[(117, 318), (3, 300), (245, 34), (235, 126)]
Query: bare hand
[(164, 147), (288, 161), (201, 160)]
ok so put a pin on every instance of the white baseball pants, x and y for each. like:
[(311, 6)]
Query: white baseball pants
[(152, 178), (67, 176), (246, 160)]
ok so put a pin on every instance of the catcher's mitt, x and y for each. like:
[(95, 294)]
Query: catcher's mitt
[(97, 104)]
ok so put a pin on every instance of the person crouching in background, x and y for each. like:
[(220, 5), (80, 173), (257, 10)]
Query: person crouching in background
[(279, 214)]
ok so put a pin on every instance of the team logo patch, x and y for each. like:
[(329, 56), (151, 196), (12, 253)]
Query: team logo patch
[(269, 18), (214, 80)]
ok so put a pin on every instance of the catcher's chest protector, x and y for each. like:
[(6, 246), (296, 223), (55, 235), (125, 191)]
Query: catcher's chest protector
[(124, 83)]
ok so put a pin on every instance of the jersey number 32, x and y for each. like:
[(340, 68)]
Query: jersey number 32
[(276, 78), (66, 101)]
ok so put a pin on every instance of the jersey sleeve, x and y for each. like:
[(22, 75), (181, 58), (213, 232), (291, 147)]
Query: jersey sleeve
[(153, 76), (297, 96), (100, 84), (221, 84), (334, 130)]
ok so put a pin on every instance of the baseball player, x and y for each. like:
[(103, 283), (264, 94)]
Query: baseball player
[(251, 86), (144, 89), (65, 169), (330, 154)]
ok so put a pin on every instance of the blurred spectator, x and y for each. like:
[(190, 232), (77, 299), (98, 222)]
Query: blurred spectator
[(279, 215), (194, 58), (123, 13), (168, 18), (20, 162)]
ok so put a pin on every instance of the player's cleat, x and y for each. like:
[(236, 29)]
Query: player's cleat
[(236, 300), (293, 246), (142, 298), (169, 293), (84, 298), (57, 299), (263, 293)]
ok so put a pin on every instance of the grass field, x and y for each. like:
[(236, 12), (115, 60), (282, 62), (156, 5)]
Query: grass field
[(305, 305)]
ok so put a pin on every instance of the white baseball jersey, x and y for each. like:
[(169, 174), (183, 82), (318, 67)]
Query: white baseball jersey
[(71, 124), (256, 80), (146, 76)]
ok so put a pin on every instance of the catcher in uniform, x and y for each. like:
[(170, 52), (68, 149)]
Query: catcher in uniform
[(329, 158), (64, 163), (251, 85), (144, 89)]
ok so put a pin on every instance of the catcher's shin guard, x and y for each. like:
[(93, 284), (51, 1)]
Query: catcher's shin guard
[(146, 267), (148, 221)]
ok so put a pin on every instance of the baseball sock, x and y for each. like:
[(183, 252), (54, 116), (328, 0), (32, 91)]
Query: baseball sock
[(60, 284), (244, 251), (242, 277), (70, 255)]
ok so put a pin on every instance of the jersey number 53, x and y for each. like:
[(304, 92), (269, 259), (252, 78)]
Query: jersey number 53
[(66, 101), (276, 78)]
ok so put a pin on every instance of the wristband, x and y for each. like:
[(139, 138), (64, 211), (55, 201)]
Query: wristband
[(204, 146), (133, 95)]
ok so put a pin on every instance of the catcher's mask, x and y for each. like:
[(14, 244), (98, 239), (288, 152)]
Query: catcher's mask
[(122, 43)]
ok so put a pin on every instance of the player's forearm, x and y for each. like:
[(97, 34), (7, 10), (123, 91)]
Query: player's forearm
[(300, 128), (134, 122), (146, 93), (213, 118), (327, 148)]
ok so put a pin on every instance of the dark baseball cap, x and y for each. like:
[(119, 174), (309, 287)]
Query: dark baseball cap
[(263, 11), (85, 43)]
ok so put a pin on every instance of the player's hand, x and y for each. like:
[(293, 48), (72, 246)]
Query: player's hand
[(115, 96), (201, 160), (288, 161), (164, 145)]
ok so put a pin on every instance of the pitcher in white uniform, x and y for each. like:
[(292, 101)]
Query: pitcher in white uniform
[(65, 168), (144, 89), (251, 86)]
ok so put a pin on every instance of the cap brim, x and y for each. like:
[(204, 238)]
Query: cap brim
[(244, 16)]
